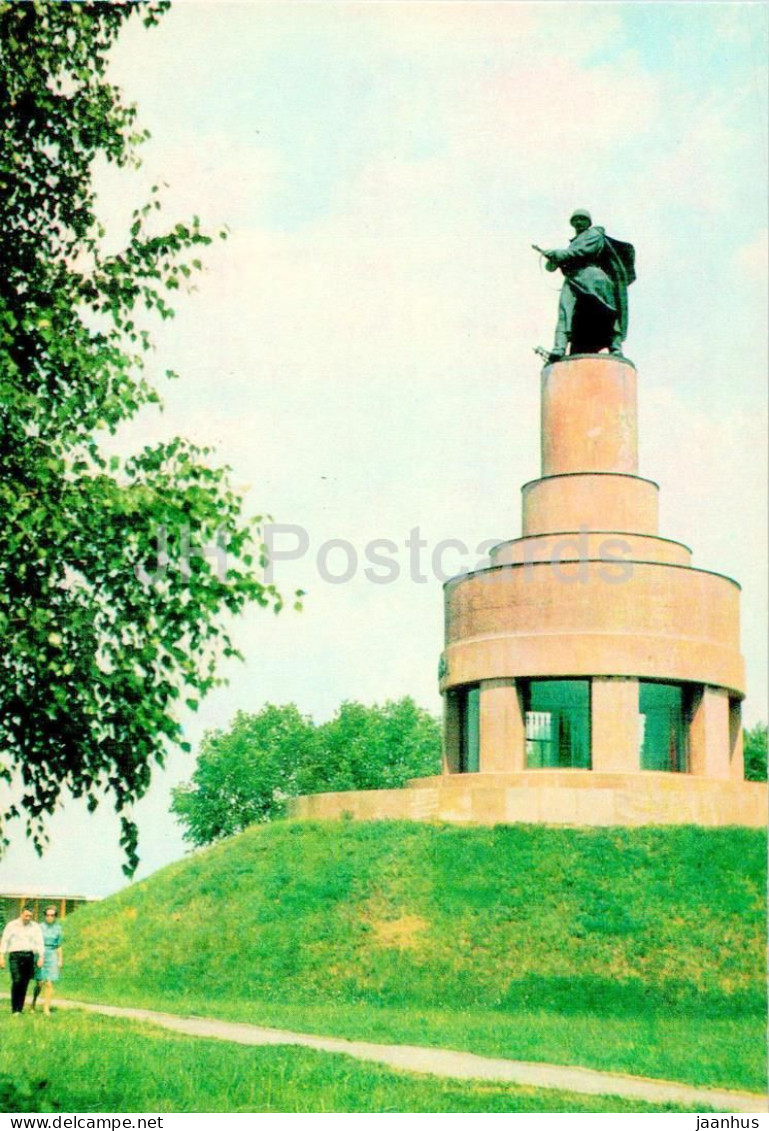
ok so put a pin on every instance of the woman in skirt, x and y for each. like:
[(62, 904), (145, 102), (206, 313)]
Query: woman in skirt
[(48, 973)]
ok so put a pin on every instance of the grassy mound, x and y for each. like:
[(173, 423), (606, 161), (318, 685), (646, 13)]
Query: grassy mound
[(638, 950)]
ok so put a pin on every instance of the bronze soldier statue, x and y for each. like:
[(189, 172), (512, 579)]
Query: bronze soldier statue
[(592, 312)]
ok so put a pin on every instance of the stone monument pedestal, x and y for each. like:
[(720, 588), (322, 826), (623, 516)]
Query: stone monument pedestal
[(591, 673)]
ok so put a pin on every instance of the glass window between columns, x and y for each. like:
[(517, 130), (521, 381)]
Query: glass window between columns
[(557, 714), (663, 727), (469, 730)]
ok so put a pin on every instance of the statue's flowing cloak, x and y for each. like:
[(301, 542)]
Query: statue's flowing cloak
[(598, 265)]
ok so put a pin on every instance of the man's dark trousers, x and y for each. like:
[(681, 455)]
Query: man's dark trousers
[(22, 966)]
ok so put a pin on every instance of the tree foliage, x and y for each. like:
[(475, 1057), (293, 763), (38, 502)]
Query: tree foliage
[(99, 646), (374, 748), (755, 752), (245, 774), (248, 773)]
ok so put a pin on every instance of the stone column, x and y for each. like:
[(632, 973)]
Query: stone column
[(450, 733), (502, 740), (736, 753), (709, 740), (614, 729), (590, 416)]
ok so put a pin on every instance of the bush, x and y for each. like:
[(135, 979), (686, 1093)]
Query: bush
[(755, 753)]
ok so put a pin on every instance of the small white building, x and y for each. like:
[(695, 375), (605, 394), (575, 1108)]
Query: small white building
[(12, 903)]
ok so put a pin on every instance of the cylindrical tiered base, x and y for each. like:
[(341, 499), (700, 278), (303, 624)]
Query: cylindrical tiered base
[(592, 617), (590, 644)]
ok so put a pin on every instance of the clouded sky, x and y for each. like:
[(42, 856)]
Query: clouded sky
[(360, 348)]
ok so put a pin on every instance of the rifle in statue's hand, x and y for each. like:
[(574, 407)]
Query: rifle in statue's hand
[(551, 264)]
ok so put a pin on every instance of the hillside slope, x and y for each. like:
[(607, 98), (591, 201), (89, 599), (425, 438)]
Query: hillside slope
[(637, 949)]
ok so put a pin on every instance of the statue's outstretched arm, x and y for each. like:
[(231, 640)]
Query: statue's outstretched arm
[(587, 245)]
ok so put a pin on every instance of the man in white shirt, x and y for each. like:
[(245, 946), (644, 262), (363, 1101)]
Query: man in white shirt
[(22, 941)]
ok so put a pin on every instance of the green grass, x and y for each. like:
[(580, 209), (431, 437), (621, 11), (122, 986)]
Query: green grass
[(76, 1063), (635, 950)]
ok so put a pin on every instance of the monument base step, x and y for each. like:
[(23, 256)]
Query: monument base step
[(551, 797)]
